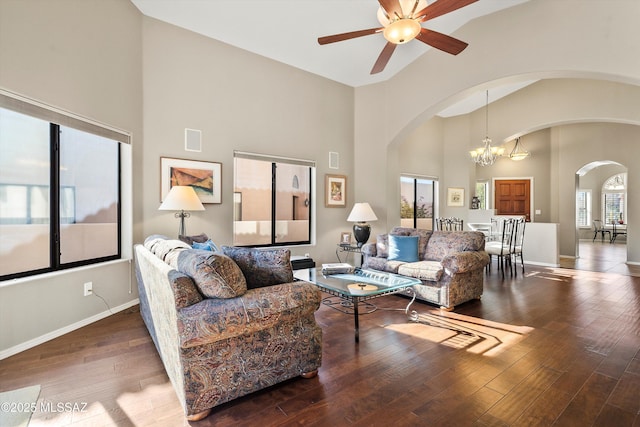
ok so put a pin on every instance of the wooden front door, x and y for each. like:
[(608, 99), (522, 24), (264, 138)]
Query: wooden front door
[(512, 197)]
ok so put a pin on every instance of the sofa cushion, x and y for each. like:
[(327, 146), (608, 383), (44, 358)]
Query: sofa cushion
[(424, 236), (382, 245), (165, 249), (443, 243), (184, 290), (262, 267), (215, 274), (190, 240), (403, 248), (423, 270), (205, 246), (393, 266)]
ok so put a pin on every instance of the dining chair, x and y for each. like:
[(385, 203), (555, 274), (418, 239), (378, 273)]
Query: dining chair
[(517, 242), (449, 224), (598, 227), (502, 248)]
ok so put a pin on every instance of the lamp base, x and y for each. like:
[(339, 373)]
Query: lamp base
[(182, 230), (361, 232)]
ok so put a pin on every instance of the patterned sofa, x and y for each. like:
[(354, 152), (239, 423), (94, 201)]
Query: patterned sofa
[(450, 264), (225, 328)]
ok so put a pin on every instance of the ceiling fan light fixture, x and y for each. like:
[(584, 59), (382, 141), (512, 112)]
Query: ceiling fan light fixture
[(409, 7), (402, 31)]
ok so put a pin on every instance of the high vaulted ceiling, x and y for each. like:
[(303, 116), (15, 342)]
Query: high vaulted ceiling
[(287, 31)]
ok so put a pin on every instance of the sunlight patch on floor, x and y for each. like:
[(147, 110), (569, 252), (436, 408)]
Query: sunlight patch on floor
[(472, 334)]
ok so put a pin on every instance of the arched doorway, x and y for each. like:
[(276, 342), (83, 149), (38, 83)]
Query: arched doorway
[(600, 196)]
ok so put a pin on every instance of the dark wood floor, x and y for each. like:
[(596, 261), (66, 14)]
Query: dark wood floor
[(552, 347), (600, 255)]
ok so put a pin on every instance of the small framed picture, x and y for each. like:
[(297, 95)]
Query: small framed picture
[(345, 238), (204, 177), (455, 196), (335, 191)]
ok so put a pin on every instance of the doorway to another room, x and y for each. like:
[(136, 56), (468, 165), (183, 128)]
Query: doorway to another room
[(601, 194)]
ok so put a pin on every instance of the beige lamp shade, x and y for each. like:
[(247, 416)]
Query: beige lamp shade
[(181, 198), (360, 214)]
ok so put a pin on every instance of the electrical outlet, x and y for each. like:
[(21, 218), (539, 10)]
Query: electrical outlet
[(88, 289)]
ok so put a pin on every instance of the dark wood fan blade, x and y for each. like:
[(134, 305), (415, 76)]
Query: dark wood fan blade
[(392, 7), (440, 8), (441, 41), (346, 36), (383, 58)]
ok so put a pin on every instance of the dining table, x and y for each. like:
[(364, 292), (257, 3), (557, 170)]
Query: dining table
[(616, 229)]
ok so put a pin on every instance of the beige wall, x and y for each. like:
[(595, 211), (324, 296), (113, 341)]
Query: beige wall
[(243, 102), (83, 57)]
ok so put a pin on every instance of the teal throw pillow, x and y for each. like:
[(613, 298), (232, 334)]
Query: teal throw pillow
[(403, 248), (207, 246)]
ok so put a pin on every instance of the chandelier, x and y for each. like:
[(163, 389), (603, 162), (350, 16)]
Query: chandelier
[(518, 152), (487, 154)]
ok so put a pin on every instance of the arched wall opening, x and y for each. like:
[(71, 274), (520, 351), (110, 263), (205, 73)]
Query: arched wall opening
[(561, 121)]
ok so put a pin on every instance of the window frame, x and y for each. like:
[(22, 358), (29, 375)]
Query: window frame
[(607, 190), (240, 200), (58, 120), (588, 197), (413, 208)]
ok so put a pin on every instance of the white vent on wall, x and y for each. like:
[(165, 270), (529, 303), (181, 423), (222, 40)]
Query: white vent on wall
[(334, 160), (192, 140)]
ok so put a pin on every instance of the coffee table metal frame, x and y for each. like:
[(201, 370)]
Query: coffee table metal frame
[(385, 283)]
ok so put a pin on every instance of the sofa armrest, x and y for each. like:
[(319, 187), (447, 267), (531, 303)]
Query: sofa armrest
[(461, 262), (217, 319), (369, 249)]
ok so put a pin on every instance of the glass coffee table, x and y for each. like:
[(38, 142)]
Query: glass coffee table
[(359, 286)]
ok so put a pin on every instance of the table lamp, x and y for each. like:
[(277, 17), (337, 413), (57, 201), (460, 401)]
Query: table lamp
[(360, 214), (181, 198)]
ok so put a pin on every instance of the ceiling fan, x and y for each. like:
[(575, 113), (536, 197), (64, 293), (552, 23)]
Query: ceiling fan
[(401, 20)]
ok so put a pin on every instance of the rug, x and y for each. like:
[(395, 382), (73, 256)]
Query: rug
[(16, 406)]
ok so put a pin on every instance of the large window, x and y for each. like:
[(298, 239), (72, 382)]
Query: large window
[(59, 191), (416, 202), (583, 208), (614, 194), (272, 200)]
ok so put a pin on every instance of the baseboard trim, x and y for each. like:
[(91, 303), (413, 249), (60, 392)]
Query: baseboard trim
[(65, 330), (540, 264)]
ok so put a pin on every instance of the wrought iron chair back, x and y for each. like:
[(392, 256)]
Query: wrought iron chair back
[(449, 224)]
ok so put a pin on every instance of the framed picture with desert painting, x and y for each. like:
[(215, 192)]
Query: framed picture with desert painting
[(335, 187), (204, 177)]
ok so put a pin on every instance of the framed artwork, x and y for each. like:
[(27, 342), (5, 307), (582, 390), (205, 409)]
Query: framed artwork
[(455, 196), (204, 177), (335, 187), (345, 238)]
